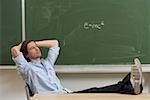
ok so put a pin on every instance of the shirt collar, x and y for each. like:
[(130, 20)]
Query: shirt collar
[(35, 61)]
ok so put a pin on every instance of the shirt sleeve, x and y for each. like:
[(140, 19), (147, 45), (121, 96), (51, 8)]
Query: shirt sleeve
[(22, 65), (53, 54)]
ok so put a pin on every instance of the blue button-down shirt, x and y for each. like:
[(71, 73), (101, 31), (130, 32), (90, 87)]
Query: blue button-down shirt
[(40, 75)]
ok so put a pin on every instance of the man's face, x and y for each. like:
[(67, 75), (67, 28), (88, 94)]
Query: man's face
[(33, 51)]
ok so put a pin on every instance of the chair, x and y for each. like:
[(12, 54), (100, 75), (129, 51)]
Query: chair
[(28, 92)]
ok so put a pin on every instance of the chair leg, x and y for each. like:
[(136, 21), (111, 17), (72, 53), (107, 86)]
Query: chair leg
[(27, 92)]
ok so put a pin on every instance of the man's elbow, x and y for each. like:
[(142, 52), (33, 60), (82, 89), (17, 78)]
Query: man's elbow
[(14, 51), (56, 43)]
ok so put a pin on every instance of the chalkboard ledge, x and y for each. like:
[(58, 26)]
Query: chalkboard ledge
[(90, 68)]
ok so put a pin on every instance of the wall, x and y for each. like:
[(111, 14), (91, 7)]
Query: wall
[(12, 86)]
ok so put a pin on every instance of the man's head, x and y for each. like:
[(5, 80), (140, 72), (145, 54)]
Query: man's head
[(30, 50)]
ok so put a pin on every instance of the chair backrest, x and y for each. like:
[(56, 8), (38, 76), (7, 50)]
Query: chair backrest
[(28, 92)]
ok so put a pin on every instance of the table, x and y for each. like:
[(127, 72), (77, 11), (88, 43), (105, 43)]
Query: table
[(91, 96)]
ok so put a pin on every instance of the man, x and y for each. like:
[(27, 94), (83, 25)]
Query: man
[(40, 75)]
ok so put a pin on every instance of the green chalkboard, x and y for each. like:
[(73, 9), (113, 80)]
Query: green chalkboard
[(92, 31), (10, 31), (89, 31)]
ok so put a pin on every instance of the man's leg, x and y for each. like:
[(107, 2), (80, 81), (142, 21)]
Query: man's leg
[(131, 84), (123, 86)]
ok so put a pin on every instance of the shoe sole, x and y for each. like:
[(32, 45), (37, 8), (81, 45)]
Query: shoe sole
[(137, 76)]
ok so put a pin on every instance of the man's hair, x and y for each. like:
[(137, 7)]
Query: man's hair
[(24, 50)]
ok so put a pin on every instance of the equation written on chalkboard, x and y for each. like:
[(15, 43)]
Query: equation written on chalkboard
[(93, 25)]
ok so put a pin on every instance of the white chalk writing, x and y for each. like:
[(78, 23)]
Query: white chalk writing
[(89, 25)]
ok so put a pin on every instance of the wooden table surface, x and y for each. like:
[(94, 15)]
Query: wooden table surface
[(91, 96)]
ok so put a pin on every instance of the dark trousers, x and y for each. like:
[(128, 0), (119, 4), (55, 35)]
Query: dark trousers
[(124, 87)]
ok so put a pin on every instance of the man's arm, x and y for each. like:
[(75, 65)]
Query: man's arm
[(20, 61), (15, 51), (53, 51), (47, 43)]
